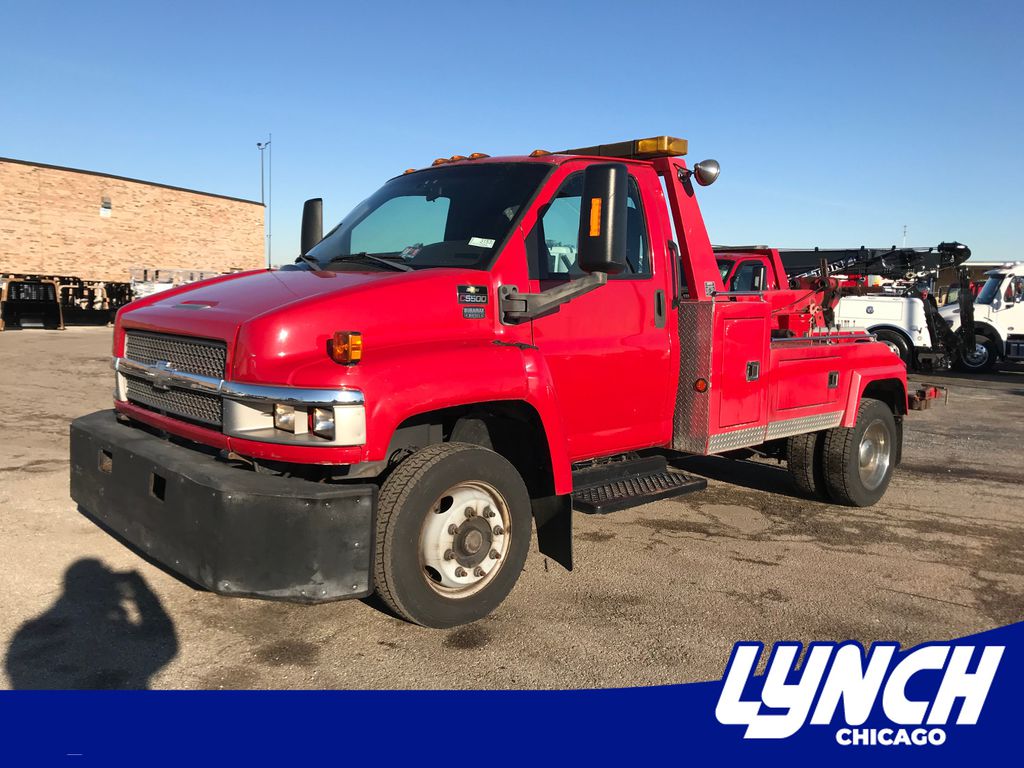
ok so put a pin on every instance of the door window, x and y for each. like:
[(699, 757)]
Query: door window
[(553, 243), (750, 276)]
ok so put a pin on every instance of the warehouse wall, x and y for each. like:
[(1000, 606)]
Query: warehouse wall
[(59, 221)]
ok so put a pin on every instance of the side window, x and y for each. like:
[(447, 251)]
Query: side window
[(1015, 290), (553, 242), (749, 276)]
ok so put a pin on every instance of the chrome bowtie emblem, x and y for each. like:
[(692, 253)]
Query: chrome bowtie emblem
[(163, 375)]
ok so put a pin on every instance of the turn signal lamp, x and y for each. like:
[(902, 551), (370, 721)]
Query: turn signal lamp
[(408, 170), (346, 347), (595, 217), (478, 156), (456, 158), (539, 153), (440, 161)]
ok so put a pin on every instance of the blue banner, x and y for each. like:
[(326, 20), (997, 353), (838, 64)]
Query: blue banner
[(941, 703)]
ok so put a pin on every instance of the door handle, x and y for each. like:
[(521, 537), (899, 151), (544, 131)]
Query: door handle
[(753, 370), (659, 308)]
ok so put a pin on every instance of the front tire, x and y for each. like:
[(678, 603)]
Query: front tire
[(859, 460), (981, 359), (453, 533)]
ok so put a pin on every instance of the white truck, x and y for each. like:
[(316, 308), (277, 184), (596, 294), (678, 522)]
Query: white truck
[(998, 320), (898, 321)]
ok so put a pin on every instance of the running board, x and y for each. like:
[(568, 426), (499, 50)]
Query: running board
[(616, 485)]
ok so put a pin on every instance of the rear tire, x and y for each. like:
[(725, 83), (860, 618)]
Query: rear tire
[(982, 359), (859, 460), (898, 343), (804, 459), (453, 532)]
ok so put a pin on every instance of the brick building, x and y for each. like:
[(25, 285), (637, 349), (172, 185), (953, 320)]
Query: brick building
[(63, 221)]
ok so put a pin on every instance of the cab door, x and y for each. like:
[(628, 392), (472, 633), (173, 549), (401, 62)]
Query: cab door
[(608, 352)]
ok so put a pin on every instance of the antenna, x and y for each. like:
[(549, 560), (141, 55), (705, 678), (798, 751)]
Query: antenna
[(904, 235), (268, 202)]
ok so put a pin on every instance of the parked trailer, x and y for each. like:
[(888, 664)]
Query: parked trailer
[(397, 411)]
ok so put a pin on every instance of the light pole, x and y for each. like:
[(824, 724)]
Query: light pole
[(268, 203)]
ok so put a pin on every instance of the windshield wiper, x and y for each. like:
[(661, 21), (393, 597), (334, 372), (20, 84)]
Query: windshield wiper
[(364, 256), (305, 258)]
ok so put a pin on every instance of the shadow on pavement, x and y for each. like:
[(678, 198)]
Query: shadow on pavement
[(107, 630), (735, 470)]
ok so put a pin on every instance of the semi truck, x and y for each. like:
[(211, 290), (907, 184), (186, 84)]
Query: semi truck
[(998, 319), (480, 347)]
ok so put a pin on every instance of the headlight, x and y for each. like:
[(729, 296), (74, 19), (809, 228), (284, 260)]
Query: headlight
[(284, 417), (341, 424), (323, 423)]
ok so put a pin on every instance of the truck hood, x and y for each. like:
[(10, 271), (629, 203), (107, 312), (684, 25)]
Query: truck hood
[(277, 324), (217, 308), (951, 313)]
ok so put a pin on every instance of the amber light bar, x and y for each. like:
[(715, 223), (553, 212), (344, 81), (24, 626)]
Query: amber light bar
[(637, 149)]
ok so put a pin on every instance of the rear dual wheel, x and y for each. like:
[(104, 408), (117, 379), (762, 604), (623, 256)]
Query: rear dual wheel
[(453, 532), (851, 466)]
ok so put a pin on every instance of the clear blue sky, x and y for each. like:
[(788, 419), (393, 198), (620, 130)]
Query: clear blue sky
[(835, 124)]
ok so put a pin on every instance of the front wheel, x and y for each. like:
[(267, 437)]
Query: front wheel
[(859, 460), (453, 532), (980, 359)]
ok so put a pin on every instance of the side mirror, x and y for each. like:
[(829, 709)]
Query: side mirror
[(312, 224), (602, 237)]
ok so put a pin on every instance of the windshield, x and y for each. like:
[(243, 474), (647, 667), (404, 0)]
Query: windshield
[(453, 216), (725, 267), (990, 290)]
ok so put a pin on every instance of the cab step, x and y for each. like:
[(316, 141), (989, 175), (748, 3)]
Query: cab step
[(609, 487)]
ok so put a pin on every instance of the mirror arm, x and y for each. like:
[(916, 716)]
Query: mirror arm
[(518, 307)]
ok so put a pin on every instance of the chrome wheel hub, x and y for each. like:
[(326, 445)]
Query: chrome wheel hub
[(465, 539), (978, 357), (875, 454)]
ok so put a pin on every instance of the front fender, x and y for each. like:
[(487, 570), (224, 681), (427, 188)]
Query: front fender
[(987, 329), (408, 381)]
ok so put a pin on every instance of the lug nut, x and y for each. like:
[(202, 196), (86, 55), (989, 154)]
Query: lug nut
[(498, 530), (488, 512), (470, 512), (453, 529), (460, 572), (495, 554), (478, 571), (449, 554)]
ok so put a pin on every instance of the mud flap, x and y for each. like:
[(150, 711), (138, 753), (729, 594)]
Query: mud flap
[(553, 518)]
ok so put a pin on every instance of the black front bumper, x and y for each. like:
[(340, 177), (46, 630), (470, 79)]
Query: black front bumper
[(230, 530)]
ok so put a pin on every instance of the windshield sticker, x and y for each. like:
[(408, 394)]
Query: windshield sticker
[(409, 252), (481, 242), (472, 294)]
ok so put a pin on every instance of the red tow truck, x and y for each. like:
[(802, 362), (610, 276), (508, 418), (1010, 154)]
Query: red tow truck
[(480, 346)]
